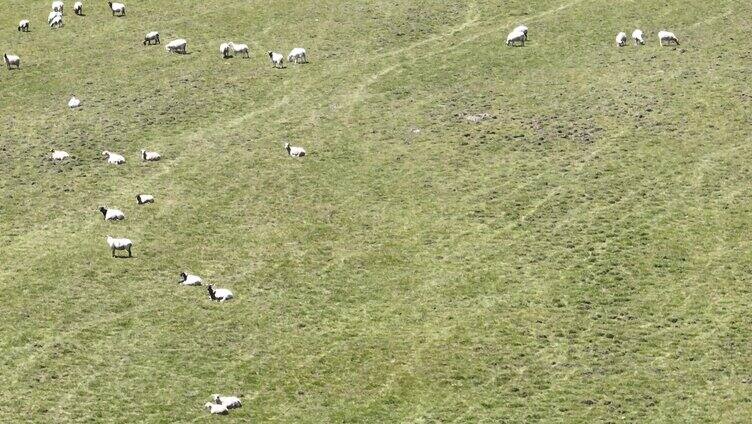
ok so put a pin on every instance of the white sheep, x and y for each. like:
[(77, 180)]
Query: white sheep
[(119, 244), (296, 152), (668, 37), (516, 37), (57, 6), (23, 25), (621, 39), (74, 102), (53, 15), (12, 60), (297, 55), (638, 37), (241, 49), (190, 279), (277, 59), (143, 199), (57, 22), (229, 402), (220, 295), (78, 8), (112, 214), (150, 156), (521, 28), (113, 158), (152, 38), (216, 409), (177, 46), (225, 50), (118, 8), (59, 155)]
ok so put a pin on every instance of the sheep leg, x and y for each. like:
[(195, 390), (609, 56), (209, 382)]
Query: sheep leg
[(113, 252), (129, 252)]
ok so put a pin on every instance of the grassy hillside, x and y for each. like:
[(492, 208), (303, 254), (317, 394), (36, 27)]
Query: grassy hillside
[(580, 256)]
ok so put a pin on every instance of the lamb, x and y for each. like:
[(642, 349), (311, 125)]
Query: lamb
[(118, 8), (59, 155), (23, 26), (229, 402), (668, 37), (220, 295), (113, 158), (52, 16), (297, 55), (57, 6), (78, 8), (225, 50), (119, 244), (150, 156), (241, 49), (12, 60), (112, 214), (176, 46), (621, 39), (57, 22), (637, 37), (190, 280), (74, 102), (152, 38), (143, 199), (296, 152), (522, 29), (277, 59), (516, 37), (216, 409)]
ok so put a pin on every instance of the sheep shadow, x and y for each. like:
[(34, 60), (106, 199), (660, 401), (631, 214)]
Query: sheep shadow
[(124, 257)]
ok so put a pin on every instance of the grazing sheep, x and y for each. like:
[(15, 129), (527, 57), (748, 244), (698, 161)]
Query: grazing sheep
[(241, 49), (219, 294), (57, 22), (112, 214), (59, 155), (12, 60), (621, 39), (119, 244), (152, 38), (190, 280), (225, 50), (216, 409), (522, 29), (296, 152), (668, 37), (143, 199), (52, 16), (57, 6), (637, 37), (277, 59), (118, 8), (23, 26), (74, 102), (150, 156), (229, 402), (176, 46), (297, 55), (78, 8), (113, 158), (515, 37)]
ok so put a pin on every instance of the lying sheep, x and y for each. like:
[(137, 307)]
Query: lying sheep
[(216, 409), (220, 295), (621, 39), (177, 46), (118, 8), (151, 38), (78, 8), (190, 279), (297, 55), (241, 49), (119, 244), (74, 102), (143, 199), (59, 155), (229, 402), (668, 37), (277, 59), (12, 60), (516, 37), (296, 152), (113, 158), (638, 37), (150, 156), (23, 26), (112, 214)]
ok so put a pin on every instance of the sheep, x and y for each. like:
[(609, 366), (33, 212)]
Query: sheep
[(78, 8), (119, 244), (522, 29), (621, 39), (190, 280), (143, 199), (152, 38), (216, 409), (118, 8), (229, 402), (74, 102), (150, 156), (57, 22), (225, 50), (59, 155), (241, 49), (297, 55), (668, 37), (113, 158), (277, 59), (516, 37), (296, 152), (57, 6), (112, 214), (220, 295), (176, 46), (23, 26), (637, 37), (12, 60), (52, 16)]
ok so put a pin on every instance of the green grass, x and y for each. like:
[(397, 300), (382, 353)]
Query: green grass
[(583, 256)]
